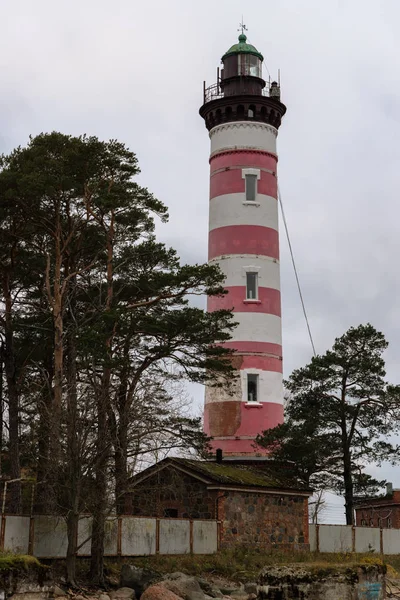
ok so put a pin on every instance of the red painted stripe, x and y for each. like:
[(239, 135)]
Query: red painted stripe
[(244, 158), (269, 301), (253, 420), (243, 239), (232, 182), (262, 347), (265, 363)]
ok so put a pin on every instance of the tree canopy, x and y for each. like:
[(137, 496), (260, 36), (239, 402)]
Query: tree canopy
[(97, 328), (340, 415)]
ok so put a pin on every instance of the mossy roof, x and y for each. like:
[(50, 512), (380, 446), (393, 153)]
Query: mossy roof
[(266, 476)]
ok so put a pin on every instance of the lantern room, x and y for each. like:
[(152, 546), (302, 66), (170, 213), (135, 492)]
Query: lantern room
[(242, 69)]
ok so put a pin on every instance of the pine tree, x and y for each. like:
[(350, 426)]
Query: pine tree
[(339, 417)]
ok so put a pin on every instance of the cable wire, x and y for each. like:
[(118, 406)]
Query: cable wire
[(295, 271)]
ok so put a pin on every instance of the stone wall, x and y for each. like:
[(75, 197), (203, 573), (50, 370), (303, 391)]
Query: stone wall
[(268, 520), (172, 490)]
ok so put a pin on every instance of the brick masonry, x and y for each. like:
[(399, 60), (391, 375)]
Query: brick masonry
[(381, 512)]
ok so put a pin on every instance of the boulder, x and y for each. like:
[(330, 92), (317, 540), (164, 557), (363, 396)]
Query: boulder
[(123, 593), (216, 593), (57, 591), (158, 592), (184, 586), (104, 597), (137, 578), (250, 588)]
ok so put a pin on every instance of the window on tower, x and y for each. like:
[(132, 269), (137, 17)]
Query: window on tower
[(252, 387), (251, 286), (251, 187)]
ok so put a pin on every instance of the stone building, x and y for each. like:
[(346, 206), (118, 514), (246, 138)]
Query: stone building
[(379, 511), (254, 504)]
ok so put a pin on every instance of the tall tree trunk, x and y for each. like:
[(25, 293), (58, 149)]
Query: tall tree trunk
[(121, 473), (100, 487), (55, 291), (44, 502), (13, 400), (348, 488), (74, 466), (1, 405), (103, 434), (120, 435)]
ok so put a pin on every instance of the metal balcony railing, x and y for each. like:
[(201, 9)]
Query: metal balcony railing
[(215, 92)]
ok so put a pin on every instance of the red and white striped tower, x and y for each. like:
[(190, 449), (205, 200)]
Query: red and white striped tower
[(243, 115)]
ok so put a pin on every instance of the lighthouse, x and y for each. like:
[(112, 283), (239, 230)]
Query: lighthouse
[(243, 114)]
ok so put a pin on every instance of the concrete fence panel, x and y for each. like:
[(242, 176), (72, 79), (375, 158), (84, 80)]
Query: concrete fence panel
[(50, 539), (367, 539), (111, 537), (205, 537), (16, 534), (391, 541), (313, 537), (84, 536), (335, 538), (138, 536), (174, 536)]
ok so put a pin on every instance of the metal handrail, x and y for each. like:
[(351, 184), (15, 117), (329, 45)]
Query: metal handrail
[(215, 92)]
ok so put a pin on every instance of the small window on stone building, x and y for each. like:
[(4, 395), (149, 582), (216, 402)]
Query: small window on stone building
[(171, 513), (363, 523), (250, 113), (252, 387), (389, 523), (251, 286), (251, 187), (371, 522)]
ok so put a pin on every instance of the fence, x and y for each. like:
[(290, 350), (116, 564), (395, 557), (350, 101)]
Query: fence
[(46, 537), (347, 538)]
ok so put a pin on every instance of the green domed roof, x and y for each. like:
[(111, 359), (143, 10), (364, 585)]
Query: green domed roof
[(243, 48)]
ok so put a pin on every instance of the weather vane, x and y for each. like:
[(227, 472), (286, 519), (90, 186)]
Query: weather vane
[(242, 26)]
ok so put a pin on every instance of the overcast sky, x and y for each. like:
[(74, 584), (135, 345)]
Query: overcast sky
[(134, 71)]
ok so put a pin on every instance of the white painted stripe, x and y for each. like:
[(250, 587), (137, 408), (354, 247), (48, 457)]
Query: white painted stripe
[(231, 209), (243, 134), (236, 266), (270, 388), (257, 327)]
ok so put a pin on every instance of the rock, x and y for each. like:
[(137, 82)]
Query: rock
[(57, 591), (216, 593), (252, 597), (123, 593), (250, 588), (176, 575), (138, 579), (29, 596), (205, 586), (158, 592), (104, 597), (184, 586)]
